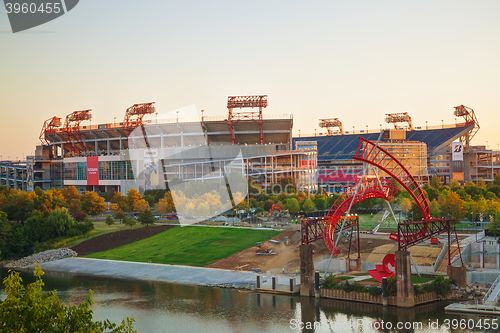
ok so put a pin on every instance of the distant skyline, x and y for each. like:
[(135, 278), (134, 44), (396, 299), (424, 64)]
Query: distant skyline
[(354, 60)]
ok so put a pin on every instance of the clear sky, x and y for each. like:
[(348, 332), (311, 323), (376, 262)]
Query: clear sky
[(355, 60)]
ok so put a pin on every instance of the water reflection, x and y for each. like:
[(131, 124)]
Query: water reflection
[(161, 307)]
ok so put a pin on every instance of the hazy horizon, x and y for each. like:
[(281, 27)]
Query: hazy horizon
[(355, 61)]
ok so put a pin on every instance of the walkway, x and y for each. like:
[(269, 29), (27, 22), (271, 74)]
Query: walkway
[(150, 272)]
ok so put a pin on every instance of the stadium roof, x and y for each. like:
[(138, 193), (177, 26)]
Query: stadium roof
[(343, 147)]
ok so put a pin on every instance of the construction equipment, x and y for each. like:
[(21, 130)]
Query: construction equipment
[(249, 116), (286, 240), (396, 118), (262, 249), (281, 214), (48, 127), (329, 123)]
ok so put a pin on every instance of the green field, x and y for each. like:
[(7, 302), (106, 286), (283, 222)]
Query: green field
[(195, 246)]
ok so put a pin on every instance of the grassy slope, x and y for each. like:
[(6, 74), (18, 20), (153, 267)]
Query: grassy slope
[(195, 246)]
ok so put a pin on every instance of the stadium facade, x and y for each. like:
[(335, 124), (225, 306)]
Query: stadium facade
[(149, 154)]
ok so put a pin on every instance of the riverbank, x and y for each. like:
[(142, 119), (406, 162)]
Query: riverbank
[(188, 275)]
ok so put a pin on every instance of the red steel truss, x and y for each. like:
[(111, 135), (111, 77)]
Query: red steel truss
[(259, 101), (371, 153), (413, 233), (329, 123), (71, 130), (470, 118), (395, 118), (133, 118), (48, 127)]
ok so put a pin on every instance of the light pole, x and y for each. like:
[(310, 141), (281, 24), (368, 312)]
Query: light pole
[(442, 123), (314, 132), (156, 113), (366, 128), (353, 130), (299, 133), (177, 116), (426, 125), (114, 122), (202, 115)]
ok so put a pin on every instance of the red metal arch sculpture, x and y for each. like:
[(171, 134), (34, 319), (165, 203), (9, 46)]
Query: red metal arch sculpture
[(368, 189)]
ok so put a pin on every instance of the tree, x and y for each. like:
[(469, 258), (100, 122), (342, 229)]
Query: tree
[(496, 181), (293, 206), (405, 205), (129, 222), (92, 203), (436, 182), (133, 197), (434, 209), (32, 310), (454, 207), (109, 220), (320, 202), (120, 202), (146, 217), (141, 205), (166, 204), (120, 215), (308, 205), (60, 223)]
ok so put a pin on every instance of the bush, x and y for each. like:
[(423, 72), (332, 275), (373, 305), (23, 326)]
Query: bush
[(80, 216), (330, 282), (356, 286), (375, 291), (32, 310), (440, 285), (392, 289), (129, 222), (418, 290), (109, 220)]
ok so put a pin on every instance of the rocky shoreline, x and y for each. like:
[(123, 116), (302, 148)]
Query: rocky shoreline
[(45, 256), (473, 292)]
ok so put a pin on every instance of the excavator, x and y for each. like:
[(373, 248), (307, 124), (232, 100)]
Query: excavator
[(279, 216)]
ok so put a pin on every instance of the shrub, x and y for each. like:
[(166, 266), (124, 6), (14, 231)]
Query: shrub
[(356, 286), (418, 290), (32, 310), (109, 220), (80, 216), (375, 291), (392, 289), (440, 285), (330, 282)]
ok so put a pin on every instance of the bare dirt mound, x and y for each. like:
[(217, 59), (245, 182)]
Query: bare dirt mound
[(116, 239)]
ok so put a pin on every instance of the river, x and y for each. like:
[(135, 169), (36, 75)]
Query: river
[(163, 307)]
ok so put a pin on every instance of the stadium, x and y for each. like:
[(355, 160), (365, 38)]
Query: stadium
[(147, 154)]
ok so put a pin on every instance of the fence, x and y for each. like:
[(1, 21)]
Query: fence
[(367, 298)]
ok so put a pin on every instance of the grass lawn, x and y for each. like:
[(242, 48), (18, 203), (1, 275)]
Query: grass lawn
[(360, 274), (195, 246)]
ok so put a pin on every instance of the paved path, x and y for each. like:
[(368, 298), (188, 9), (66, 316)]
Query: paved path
[(150, 272)]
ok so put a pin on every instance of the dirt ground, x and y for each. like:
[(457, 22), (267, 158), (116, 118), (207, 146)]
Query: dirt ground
[(288, 255), (115, 239)]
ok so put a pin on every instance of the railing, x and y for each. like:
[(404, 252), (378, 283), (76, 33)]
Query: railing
[(367, 298), (361, 131), (497, 281), (119, 125)]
